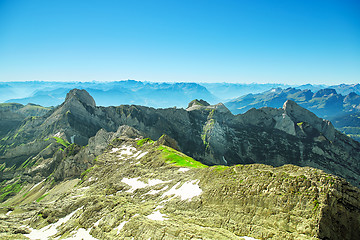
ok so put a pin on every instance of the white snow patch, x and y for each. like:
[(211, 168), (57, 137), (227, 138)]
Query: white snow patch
[(153, 182), (84, 188), (248, 238), (158, 207), (136, 154), (121, 225), (158, 216), (98, 222), (50, 230), (153, 192), (186, 192), (57, 134), (36, 185), (136, 184), (141, 155), (183, 169), (8, 213), (127, 150), (77, 196), (92, 179), (114, 150), (82, 234)]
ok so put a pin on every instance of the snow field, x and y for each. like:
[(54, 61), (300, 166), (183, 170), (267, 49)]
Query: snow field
[(125, 152), (50, 230), (187, 191)]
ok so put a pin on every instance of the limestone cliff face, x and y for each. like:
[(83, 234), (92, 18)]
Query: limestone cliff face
[(77, 95), (299, 114), (12, 114), (142, 189), (208, 133)]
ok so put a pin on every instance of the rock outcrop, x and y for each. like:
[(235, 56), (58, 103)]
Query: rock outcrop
[(299, 114), (80, 95)]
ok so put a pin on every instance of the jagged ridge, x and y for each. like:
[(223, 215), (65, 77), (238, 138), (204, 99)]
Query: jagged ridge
[(208, 133)]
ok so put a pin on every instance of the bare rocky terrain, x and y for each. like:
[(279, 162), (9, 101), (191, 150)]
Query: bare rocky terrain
[(139, 189)]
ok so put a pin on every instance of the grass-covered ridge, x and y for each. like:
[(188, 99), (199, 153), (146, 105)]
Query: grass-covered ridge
[(178, 159), (144, 141), (62, 141), (9, 189), (42, 197)]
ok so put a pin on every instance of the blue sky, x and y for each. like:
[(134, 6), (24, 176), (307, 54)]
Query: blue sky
[(278, 41)]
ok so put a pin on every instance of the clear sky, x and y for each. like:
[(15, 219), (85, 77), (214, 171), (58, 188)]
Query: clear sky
[(277, 41)]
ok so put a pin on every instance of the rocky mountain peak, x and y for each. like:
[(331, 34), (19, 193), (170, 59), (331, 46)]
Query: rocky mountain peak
[(350, 97), (81, 95), (220, 107), (325, 92), (197, 102), (299, 114)]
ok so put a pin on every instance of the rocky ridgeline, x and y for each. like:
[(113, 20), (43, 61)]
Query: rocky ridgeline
[(140, 189), (12, 114), (208, 133)]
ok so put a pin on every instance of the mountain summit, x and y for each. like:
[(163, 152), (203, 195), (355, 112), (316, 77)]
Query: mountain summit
[(81, 95), (299, 114)]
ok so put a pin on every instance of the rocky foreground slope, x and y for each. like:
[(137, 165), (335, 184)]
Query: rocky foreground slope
[(140, 189)]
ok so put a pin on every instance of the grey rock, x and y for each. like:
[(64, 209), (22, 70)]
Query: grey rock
[(299, 114), (80, 95)]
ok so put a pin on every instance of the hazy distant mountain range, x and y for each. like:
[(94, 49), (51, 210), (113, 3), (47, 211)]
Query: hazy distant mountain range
[(342, 110), (107, 93), (145, 93), (326, 102)]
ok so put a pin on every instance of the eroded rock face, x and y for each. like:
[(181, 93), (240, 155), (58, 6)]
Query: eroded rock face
[(80, 95), (197, 102), (168, 141), (299, 114)]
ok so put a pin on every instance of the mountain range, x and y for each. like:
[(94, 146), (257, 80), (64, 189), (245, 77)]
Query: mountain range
[(109, 93), (48, 93), (340, 101), (135, 171), (326, 103)]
